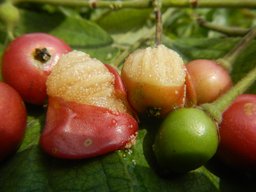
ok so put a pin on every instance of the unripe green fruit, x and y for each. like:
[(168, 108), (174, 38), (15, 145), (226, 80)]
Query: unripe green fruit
[(10, 15), (187, 139)]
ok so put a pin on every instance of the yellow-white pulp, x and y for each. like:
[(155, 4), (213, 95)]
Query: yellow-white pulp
[(78, 77)]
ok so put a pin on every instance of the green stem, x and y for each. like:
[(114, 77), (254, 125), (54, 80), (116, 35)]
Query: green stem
[(158, 16), (10, 35), (120, 58), (216, 108), (145, 36), (230, 31), (230, 58), (147, 3)]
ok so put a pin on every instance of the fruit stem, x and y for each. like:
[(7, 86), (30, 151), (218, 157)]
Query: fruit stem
[(144, 37), (216, 108), (229, 59), (158, 16)]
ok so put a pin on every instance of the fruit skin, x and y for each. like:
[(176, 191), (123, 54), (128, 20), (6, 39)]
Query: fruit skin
[(155, 81), (76, 131), (119, 86), (154, 100), (238, 134), (186, 140), (13, 120), (210, 80), (191, 97), (24, 72)]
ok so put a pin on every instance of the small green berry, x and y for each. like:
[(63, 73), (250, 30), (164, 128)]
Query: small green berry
[(187, 139), (10, 15)]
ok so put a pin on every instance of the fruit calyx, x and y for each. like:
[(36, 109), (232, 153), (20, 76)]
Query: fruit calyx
[(42, 55)]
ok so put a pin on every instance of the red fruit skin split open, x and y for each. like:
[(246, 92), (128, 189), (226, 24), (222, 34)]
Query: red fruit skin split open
[(191, 97), (119, 86), (77, 127), (120, 90), (75, 131)]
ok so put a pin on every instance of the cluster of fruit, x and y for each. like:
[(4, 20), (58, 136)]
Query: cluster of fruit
[(87, 110), (92, 110)]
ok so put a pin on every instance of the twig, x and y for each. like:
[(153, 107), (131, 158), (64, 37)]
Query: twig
[(146, 3), (145, 36), (230, 31), (230, 57), (158, 17)]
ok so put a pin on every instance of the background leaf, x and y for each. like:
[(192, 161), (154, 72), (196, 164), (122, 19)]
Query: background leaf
[(79, 32), (123, 20)]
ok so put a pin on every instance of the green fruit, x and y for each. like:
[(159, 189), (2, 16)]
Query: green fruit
[(10, 15), (186, 140)]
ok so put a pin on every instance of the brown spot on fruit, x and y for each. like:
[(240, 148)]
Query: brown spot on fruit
[(249, 109)]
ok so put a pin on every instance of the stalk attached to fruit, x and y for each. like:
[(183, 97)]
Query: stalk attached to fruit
[(188, 137), (210, 78)]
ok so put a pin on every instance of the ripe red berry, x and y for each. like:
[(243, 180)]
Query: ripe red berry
[(238, 133), (28, 60), (12, 120), (209, 79)]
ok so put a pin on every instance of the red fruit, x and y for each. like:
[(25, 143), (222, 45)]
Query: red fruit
[(13, 120), (88, 114), (27, 62), (191, 97), (210, 80), (75, 131), (238, 133)]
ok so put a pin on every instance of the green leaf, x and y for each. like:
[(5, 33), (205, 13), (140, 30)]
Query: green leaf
[(32, 170), (77, 32), (124, 20), (81, 33), (31, 21), (33, 129), (105, 54)]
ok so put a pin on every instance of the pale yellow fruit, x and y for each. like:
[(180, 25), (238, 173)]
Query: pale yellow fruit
[(155, 80), (78, 77)]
